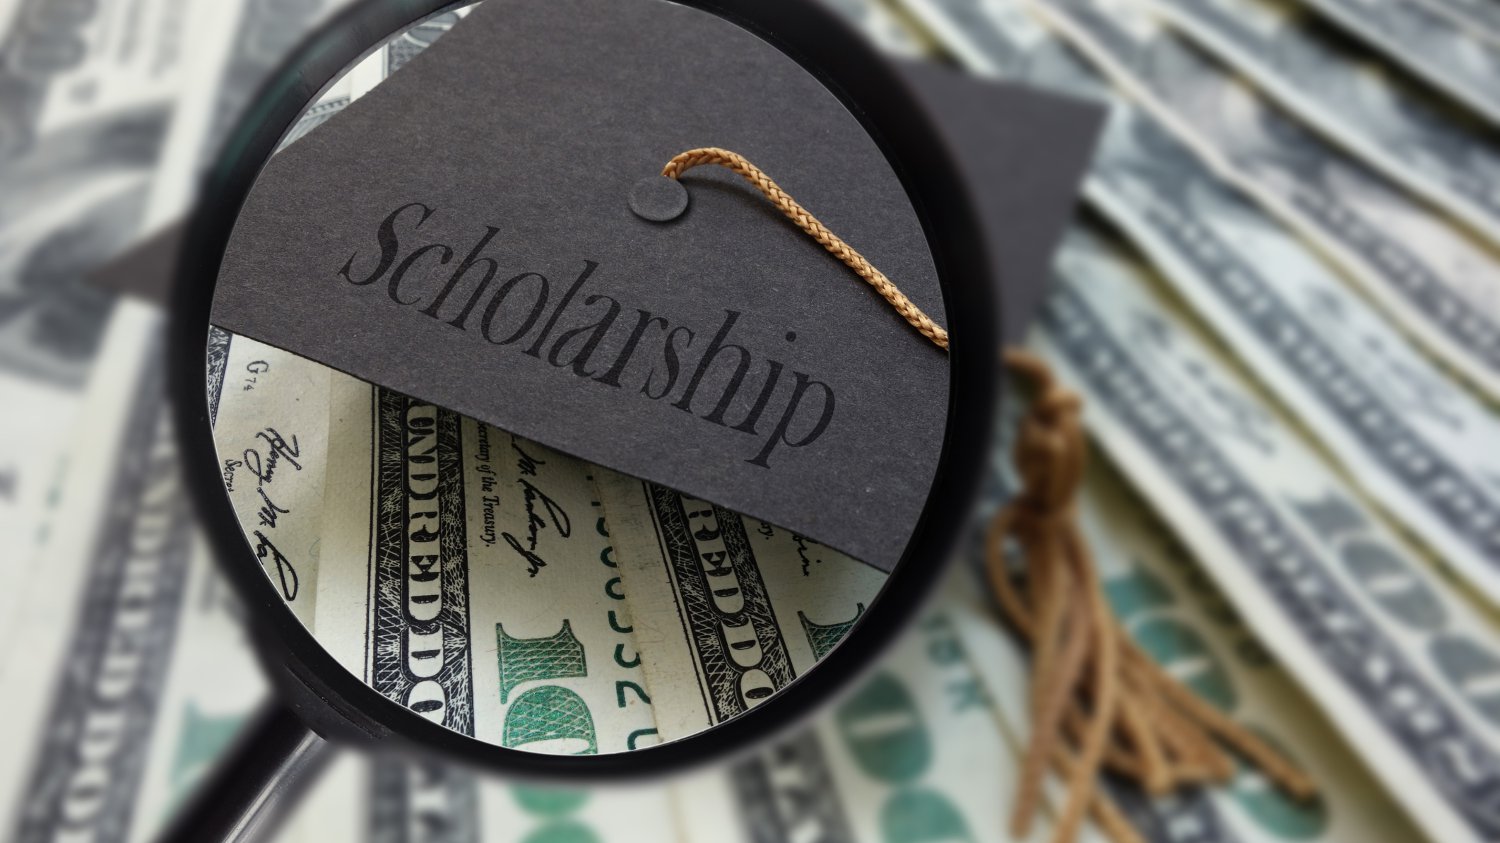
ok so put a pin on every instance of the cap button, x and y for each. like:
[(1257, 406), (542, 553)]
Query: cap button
[(658, 198)]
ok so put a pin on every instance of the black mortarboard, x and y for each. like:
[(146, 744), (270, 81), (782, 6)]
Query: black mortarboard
[(477, 231)]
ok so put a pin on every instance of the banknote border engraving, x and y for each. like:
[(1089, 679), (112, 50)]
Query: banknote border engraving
[(700, 619), (392, 567), (219, 341)]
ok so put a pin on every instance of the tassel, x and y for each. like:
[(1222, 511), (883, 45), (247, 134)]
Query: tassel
[(1097, 701)]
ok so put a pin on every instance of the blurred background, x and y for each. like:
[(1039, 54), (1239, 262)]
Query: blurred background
[(1280, 302)]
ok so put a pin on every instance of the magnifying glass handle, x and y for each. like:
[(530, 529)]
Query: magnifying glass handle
[(251, 789)]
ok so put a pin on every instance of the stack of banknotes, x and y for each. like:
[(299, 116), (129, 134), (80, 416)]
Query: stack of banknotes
[(1280, 302)]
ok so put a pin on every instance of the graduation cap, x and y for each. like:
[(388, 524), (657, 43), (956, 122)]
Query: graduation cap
[(491, 230)]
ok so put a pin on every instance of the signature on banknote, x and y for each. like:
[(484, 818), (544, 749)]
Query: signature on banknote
[(534, 497), (278, 450)]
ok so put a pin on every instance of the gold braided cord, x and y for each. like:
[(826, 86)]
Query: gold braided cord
[(816, 230)]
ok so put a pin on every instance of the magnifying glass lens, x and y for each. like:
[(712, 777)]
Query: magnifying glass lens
[(495, 586), (485, 501)]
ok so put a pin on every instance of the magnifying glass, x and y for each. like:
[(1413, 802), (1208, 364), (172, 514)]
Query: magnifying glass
[(512, 577)]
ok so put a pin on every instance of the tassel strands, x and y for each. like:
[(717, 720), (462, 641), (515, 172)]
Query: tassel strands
[(1097, 701)]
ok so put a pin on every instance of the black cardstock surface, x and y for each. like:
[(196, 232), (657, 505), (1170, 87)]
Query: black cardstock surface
[(513, 144), (1021, 151)]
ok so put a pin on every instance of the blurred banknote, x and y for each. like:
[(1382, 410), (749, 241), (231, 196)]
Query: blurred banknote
[(914, 753), (87, 95), (388, 800), (883, 26), (1415, 440), (1426, 43), (108, 111), (1441, 153), (125, 670), (1440, 284)]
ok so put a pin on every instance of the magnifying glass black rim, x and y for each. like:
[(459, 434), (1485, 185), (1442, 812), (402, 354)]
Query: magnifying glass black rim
[(867, 84)]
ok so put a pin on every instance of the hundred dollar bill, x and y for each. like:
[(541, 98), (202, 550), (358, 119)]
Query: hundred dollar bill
[(470, 575), (1441, 154), (1416, 441), (1399, 663), (728, 610), (914, 753), (1173, 611), (386, 800), (34, 427), (1435, 280), (125, 671)]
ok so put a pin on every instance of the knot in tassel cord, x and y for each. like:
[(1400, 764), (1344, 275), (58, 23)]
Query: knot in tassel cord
[(1050, 450)]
